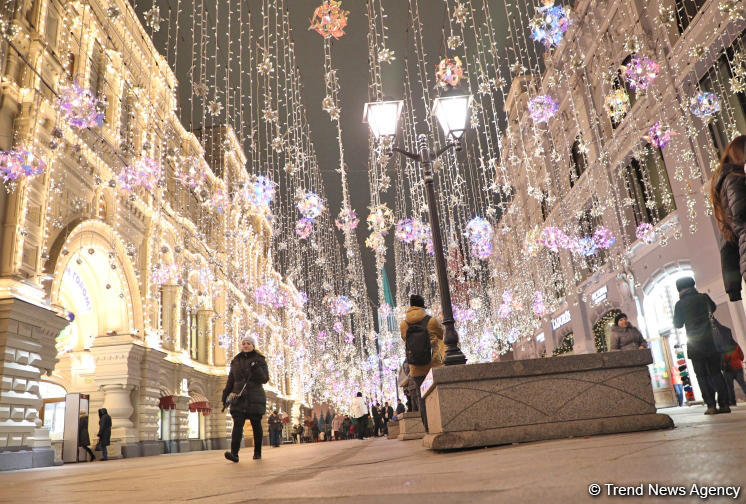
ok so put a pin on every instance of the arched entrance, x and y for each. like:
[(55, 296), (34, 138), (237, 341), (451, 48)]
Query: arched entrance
[(602, 330), (660, 298), (95, 283)]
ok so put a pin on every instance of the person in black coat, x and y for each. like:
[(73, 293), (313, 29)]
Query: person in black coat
[(104, 432), (693, 311), (728, 195), (84, 439), (245, 395), (275, 429)]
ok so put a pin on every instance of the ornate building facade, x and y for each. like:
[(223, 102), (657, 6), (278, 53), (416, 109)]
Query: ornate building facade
[(612, 175), (136, 298)]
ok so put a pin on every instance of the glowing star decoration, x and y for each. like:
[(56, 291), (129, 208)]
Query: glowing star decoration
[(542, 108), (617, 104), (603, 238), (310, 205), (550, 24), (329, 19), (165, 273), (704, 104), (347, 220), (79, 107), (261, 192), (190, 172), (646, 233), (20, 162), (145, 173), (640, 72), (538, 305), (380, 219), (376, 242), (460, 13), (304, 228), (219, 200), (658, 135), (386, 55), (449, 72)]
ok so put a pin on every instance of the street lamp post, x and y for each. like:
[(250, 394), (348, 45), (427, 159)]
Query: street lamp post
[(452, 114)]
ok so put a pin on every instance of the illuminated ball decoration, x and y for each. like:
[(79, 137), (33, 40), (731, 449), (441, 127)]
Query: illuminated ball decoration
[(338, 327), (220, 200), (585, 247), (550, 24), (603, 238), (347, 220), (270, 294), (341, 305), (480, 233), (261, 192), (165, 273), (640, 72), (541, 108), (659, 135), (617, 104), (329, 19), (145, 172), (190, 172), (380, 219), (646, 233), (552, 238), (704, 104), (449, 72), (310, 205), (79, 107), (410, 231), (20, 162), (304, 228)]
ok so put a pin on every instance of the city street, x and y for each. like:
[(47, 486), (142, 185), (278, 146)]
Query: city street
[(708, 450)]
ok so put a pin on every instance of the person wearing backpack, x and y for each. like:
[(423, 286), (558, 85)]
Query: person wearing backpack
[(693, 311), (423, 342)]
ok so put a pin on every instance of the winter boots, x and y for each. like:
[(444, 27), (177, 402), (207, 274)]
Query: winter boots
[(230, 456)]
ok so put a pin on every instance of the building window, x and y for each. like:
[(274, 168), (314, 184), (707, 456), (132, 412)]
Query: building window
[(577, 162), (648, 188), (96, 78), (194, 424), (685, 12), (545, 203), (51, 27)]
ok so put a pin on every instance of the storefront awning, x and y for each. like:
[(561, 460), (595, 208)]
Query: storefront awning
[(200, 406), (167, 403)]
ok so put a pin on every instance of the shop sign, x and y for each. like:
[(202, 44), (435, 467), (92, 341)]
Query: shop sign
[(83, 300), (540, 337), (426, 384), (562, 319), (599, 296)]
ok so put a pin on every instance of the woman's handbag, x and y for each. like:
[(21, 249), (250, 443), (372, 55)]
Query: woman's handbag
[(722, 336)]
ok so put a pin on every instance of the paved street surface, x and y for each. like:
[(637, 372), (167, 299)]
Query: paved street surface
[(704, 450)]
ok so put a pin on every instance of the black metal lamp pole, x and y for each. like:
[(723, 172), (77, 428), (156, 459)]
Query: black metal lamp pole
[(454, 355)]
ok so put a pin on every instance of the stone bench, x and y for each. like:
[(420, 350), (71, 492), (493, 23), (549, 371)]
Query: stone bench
[(410, 426), (537, 399)]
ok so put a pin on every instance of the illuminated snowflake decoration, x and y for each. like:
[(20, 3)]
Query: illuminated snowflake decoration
[(261, 192), (542, 108), (704, 104), (386, 55), (278, 144), (190, 172), (454, 42), (18, 163), (550, 24), (449, 72), (584, 246), (617, 104), (460, 13), (640, 72), (646, 233), (329, 19), (165, 273), (310, 205), (270, 294), (220, 200), (215, 107), (603, 238), (341, 305), (409, 231), (380, 219), (538, 305), (330, 107), (659, 135), (79, 107), (347, 220), (266, 67), (200, 89), (304, 228), (145, 173), (377, 242)]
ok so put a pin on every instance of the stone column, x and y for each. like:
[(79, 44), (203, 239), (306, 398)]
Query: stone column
[(27, 336), (180, 425), (204, 329), (118, 361), (170, 308), (217, 432), (147, 417)]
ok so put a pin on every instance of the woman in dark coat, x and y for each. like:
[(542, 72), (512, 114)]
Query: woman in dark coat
[(84, 439), (728, 195), (104, 432), (245, 395), (625, 336), (692, 311)]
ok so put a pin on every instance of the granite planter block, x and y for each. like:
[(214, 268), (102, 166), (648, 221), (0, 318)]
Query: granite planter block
[(410, 426), (393, 429), (531, 400)]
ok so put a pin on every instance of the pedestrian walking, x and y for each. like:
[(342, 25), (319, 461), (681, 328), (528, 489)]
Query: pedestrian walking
[(388, 414), (337, 426), (245, 396), (693, 311), (104, 433), (346, 425), (377, 424), (359, 412), (733, 370), (625, 336), (275, 429), (84, 438), (423, 340)]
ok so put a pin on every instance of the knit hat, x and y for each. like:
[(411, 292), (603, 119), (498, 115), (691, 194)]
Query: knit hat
[(417, 300), (619, 317), (684, 283), (250, 339)]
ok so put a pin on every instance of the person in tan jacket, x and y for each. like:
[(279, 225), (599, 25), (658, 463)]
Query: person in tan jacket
[(417, 372)]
